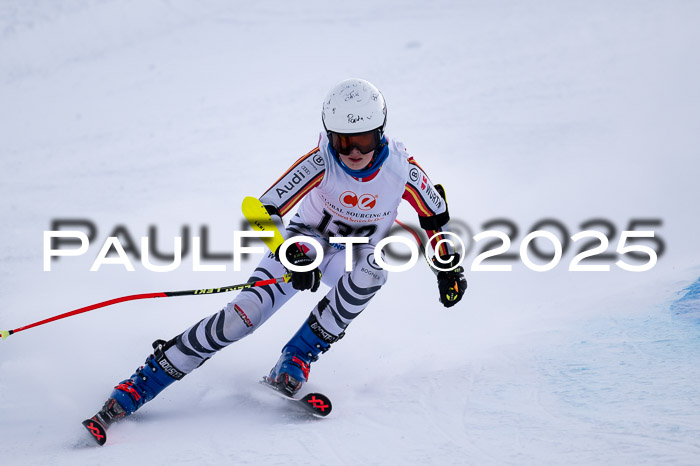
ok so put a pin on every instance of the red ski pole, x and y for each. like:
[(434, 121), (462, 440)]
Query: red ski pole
[(162, 294)]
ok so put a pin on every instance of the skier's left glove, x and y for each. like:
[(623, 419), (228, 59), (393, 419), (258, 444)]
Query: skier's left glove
[(451, 283), (310, 280)]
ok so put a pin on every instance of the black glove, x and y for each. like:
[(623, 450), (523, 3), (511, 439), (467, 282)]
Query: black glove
[(310, 280), (451, 283)]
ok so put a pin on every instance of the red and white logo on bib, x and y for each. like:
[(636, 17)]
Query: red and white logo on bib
[(363, 202)]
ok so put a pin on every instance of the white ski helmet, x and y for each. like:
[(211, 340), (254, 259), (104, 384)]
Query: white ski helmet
[(354, 106)]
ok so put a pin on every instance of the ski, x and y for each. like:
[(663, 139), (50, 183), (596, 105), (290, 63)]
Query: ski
[(97, 431), (97, 425), (317, 404)]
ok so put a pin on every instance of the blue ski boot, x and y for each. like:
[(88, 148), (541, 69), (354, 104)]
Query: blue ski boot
[(146, 382), (292, 368)]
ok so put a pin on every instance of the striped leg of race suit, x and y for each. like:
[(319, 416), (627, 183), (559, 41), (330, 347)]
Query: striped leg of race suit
[(352, 291), (239, 318), (348, 297)]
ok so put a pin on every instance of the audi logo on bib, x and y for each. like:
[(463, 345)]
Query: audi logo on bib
[(363, 202)]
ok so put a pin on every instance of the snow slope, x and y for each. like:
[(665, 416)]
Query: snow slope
[(168, 113)]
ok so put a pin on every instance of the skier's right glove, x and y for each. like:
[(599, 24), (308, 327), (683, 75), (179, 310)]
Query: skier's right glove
[(310, 280), (451, 283)]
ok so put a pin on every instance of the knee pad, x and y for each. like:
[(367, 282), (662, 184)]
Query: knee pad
[(243, 317), (367, 274)]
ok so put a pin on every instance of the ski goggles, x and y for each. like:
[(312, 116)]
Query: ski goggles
[(364, 142)]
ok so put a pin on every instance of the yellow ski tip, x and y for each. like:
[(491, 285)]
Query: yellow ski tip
[(4, 334)]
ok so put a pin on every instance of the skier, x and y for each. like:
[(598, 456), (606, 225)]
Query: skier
[(350, 185)]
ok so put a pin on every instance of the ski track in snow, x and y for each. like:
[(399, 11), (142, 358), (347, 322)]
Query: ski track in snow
[(158, 113)]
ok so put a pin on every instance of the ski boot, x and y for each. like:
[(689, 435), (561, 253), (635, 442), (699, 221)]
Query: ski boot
[(292, 368), (146, 382)]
